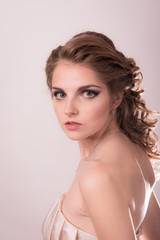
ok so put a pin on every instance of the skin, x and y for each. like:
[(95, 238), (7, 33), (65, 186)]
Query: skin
[(93, 112), (112, 190)]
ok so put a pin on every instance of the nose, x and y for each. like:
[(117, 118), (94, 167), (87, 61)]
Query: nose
[(70, 108)]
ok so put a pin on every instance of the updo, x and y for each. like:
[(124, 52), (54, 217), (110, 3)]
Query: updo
[(120, 74)]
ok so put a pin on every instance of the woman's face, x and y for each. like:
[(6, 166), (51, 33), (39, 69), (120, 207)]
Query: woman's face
[(81, 101)]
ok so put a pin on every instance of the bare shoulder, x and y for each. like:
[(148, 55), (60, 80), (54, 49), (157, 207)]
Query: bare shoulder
[(109, 185), (106, 178), (113, 168), (128, 155), (101, 187)]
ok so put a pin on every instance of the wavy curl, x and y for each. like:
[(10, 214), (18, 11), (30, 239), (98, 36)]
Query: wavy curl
[(120, 74)]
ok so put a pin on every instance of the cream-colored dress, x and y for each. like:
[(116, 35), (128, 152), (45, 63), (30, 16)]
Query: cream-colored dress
[(57, 227)]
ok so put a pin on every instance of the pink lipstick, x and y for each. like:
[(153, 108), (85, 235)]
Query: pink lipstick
[(72, 125)]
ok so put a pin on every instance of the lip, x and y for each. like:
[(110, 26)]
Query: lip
[(71, 125)]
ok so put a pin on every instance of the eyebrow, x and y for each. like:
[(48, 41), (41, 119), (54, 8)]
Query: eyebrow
[(79, 89)]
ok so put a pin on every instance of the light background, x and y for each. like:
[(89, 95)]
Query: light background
[(37, 162)]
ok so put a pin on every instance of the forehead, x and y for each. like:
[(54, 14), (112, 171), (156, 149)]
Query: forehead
[(67, 73)]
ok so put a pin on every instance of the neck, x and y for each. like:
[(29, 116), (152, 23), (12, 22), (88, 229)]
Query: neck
[(88, 145)]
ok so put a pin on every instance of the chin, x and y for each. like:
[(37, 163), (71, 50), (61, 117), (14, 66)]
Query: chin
[(74, 137), (77, 136)]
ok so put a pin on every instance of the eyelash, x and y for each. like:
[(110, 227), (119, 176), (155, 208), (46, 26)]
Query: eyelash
[(54, 94), (95, 93)]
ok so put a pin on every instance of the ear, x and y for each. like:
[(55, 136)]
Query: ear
[(117, 99)]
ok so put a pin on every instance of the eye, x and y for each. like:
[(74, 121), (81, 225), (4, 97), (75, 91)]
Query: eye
[(58, 95), (90, 93)]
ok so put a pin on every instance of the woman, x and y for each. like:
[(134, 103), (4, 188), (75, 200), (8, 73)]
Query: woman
[(97, 99)]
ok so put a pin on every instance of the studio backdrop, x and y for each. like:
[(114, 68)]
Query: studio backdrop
[(37, 162)]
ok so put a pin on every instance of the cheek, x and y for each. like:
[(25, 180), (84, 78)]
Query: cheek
[(99, 111)]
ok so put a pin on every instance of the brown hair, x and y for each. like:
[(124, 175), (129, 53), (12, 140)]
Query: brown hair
[(120, 74)]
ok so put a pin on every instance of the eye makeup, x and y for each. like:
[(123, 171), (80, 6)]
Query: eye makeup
[(89, 93), (58, 94), (84, 91)]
